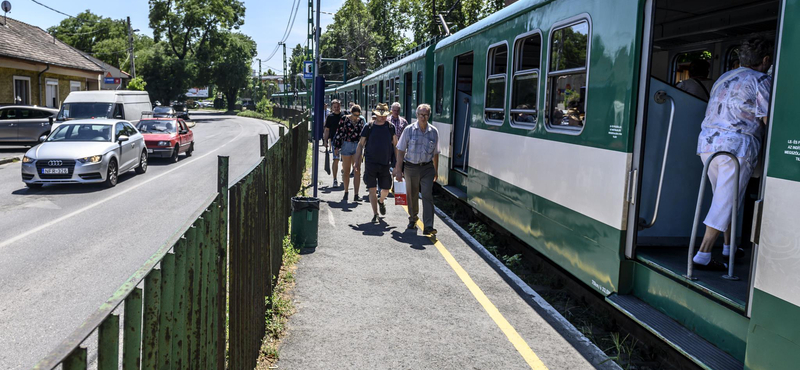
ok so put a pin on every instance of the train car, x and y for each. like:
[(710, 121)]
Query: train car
[(560, 120), (350, 92)]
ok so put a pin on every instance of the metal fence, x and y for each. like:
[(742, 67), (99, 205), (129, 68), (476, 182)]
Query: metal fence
[(191, 295)]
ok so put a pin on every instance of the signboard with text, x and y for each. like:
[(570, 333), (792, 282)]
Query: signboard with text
[(197, 92), (308, 69)]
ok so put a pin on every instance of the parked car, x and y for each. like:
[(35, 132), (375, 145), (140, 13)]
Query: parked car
[(111, 104), (86, 151), (163, 112), (167, 138), (181, 111), (22, 124)]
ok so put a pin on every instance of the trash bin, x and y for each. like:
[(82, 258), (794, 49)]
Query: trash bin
[(305, 216)]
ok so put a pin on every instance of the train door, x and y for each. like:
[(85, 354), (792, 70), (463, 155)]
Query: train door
[(408, 102), (683, 55), (462, 102)]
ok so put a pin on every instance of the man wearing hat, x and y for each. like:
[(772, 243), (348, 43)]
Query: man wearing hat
[(378, 141)]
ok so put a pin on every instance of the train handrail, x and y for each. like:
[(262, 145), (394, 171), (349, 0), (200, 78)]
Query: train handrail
[(734, 214), (661, 97), (464, 136)]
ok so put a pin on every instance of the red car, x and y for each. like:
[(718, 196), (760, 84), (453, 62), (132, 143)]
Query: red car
[(166, 137)]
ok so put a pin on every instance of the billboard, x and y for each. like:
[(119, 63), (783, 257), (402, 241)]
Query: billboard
[(197, 92)]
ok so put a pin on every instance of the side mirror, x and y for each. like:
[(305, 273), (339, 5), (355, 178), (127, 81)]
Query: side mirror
[(42, 138), (122, 138), (50, 120)]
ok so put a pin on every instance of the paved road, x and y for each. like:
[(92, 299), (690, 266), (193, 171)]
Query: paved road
[(64, 249)]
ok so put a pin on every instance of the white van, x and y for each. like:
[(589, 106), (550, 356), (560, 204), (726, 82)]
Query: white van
[(114, 104)]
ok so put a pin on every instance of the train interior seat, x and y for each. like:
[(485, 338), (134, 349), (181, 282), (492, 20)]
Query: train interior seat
[(684, 31)]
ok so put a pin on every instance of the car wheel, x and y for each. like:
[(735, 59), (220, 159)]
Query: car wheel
[(113, 174), (142, 163), (191, 149), (175, 152), (33, 186)]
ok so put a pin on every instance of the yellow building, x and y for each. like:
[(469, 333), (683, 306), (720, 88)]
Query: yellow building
[(38, 69)]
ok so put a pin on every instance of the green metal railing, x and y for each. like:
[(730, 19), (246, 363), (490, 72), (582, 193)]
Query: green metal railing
[(175, 308)]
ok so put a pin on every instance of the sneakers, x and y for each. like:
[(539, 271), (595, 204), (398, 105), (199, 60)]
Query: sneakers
[(382, 208), (375, 219), (344, 199), (335, 183), (428, 231), (411, 225), (712, 265), (738, 255)]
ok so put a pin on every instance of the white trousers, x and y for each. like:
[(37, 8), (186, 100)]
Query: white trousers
[(721, 175)]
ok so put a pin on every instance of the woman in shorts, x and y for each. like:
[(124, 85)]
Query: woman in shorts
[(344, 144)]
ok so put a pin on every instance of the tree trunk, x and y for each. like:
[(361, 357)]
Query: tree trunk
[(231, 97)]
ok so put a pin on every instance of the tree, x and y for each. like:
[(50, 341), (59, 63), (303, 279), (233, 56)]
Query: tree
[(296, 62), (164, 73), (351, 36), (189, 24), (137, 84), (230, 69)]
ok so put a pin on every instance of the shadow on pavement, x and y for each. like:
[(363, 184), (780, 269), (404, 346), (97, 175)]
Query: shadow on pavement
[(63, 189), (370, 229), (411, 238), (345, 206)]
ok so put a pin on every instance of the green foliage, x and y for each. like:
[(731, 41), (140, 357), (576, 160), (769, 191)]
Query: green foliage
[(187, 25), (229, 69), (167, 77), (481, 233), (297, 59), (265, 106), (137, 84), (513, 262)]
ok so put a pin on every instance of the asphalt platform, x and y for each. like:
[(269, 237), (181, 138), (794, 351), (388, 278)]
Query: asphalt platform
[(378, 296)]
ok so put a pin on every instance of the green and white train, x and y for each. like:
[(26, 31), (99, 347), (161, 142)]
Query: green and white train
[(556, 118)]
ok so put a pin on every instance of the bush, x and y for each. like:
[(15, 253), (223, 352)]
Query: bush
[(137, 84), (264, 106), (252, 114)]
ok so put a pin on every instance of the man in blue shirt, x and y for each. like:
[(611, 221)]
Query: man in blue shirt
[(418, 156), (378, 140)]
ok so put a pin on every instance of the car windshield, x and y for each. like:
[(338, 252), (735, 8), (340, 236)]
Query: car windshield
[(81, 132), (84, 111), (162, 110), (157, 127)]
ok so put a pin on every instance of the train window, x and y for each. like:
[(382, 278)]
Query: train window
[(566, 100), (525, 83), (495, 97), (439, 89), (732, 59), (397, 89), (683, 62)]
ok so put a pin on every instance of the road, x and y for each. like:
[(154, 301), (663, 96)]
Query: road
[(64, 249)]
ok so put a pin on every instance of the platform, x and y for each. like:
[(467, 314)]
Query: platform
[(377, 296)]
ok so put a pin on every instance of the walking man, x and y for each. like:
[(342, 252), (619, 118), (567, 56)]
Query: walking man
[(418, 159), (378, 140), (331, 126)]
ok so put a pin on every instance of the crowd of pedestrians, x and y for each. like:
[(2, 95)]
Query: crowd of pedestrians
[(388, 147)]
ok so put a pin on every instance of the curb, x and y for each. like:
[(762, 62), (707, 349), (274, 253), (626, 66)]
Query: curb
[(9, 160), (601, 360)]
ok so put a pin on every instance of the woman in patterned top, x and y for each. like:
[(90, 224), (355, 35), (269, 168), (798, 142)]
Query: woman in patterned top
[(735, 119), (344, 143)]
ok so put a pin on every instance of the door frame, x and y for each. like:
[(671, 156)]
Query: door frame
[(634, 178), (455, 110), (14, 80), (47, 83)]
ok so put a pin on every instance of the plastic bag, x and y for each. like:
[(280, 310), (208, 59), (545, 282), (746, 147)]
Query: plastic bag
[(400, 193)]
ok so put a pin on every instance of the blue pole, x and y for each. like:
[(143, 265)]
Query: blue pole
[(319, 115)]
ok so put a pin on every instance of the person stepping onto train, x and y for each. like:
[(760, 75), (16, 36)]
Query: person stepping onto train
[(418, 159), (378, 141), (345, 143), (698, 82), (734, 122)]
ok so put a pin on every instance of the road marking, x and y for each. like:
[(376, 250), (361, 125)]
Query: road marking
[(95, 204), (519, 343), (331, 220)]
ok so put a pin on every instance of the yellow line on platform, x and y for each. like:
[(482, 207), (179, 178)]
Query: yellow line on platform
[(522, 347)]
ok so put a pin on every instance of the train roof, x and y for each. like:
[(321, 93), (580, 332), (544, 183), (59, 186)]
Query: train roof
[(497, 17), (354, 82), (406, 60)]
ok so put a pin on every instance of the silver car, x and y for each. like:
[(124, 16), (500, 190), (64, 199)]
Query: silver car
[(22, 124), (86, 151)]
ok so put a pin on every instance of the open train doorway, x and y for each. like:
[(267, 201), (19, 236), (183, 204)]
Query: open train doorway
[(462, 103), (408, 102), (688, 46)]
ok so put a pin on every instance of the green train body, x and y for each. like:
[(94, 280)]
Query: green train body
[(550, 127)]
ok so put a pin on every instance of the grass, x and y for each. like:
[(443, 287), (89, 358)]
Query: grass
[(264, 116), (594, 322)]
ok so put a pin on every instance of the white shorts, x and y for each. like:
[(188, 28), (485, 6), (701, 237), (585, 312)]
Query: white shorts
[(721, 175)]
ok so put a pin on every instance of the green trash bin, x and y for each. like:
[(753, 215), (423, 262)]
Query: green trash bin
[(305, 216)]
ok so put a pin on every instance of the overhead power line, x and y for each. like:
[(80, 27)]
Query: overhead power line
[(287, 32)]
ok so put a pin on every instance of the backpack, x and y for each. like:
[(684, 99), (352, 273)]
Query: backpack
[(391, 128)]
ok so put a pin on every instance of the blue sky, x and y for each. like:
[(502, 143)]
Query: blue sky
[(265, 20)]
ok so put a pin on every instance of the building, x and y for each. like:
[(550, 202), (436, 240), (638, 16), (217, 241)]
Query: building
[(113, 78), (38, 69)]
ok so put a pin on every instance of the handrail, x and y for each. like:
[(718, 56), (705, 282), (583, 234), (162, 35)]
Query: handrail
[(660, 97), (92, 323), (734, 214), (464, 136)]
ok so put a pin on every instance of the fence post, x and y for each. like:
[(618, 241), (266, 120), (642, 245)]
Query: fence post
[(264, 144), (152, 311), (222, 259), (132, 337)]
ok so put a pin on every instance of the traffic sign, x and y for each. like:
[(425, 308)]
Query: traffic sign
[(308, 69)]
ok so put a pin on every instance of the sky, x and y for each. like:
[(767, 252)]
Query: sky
[(265, 20)]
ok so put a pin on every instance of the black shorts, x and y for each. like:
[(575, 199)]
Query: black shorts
[(377, 174)]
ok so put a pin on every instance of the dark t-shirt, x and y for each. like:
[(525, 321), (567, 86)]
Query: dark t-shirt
[(332, 122), (379, 143)]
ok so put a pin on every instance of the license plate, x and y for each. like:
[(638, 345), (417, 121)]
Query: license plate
[(55, 171), (149, 151)]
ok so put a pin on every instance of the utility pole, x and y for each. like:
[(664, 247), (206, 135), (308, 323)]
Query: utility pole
[(317, 104), (130, 48), (433, 18), (285, 87)]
